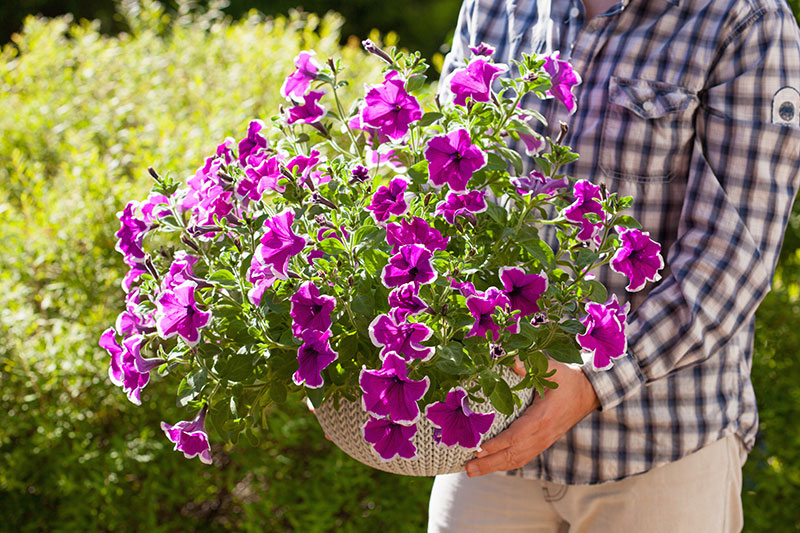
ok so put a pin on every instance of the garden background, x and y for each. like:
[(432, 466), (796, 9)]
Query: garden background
[(85, 108)]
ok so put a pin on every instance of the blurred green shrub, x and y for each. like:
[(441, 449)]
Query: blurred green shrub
[(83, 116)]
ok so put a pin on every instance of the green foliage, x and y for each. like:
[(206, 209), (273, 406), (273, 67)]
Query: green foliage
[(772, 474), (83, 116)]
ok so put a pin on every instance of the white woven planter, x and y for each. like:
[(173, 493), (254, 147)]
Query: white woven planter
[(344, 428)]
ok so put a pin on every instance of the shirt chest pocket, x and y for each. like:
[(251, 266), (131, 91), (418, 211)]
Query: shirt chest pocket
[(647, 130)]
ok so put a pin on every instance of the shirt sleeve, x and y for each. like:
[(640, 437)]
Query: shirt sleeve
[(742, 182)]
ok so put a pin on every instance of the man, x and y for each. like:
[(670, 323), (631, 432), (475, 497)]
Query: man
[(692, 107)]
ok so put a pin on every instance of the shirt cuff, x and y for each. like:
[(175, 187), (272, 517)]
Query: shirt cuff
[(617, 383)]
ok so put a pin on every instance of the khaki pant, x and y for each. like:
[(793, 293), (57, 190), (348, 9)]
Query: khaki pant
[(700, 493)]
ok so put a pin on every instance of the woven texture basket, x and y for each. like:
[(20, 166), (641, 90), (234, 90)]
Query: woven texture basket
[(343, 427)]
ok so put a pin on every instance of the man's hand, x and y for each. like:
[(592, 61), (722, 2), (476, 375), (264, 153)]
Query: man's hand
[(540, 425)]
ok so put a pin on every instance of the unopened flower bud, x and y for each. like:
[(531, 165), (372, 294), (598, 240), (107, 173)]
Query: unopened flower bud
[(351, 281), (153, 173), (360, 174), (320, 128), (443, 311), (150, 267), (332, 65), (428, 198), (372, 48), (563, 134), (188, 242)]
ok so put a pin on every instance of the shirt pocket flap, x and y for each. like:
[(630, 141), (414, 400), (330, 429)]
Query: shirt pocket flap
[(649, 99)]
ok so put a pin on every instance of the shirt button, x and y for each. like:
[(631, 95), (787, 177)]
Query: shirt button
[(648, 106), (574, 12)]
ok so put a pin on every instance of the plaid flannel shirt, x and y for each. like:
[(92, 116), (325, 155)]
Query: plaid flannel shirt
[(692, 107)]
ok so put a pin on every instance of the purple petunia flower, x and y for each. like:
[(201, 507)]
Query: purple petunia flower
[(466, 289), (313, 357), (132, 276), (225, 151), (464, 205), (404, 302), (452, 159), (535, 184), (587, 198), (131, 321), (402, 338), (253, 142), (177, 313), (179, 271), (474, 81), (303, 167), (563, 79), (482, 49), (279, 243), (415, 231), (133, 348), (482, 306), (533, 143), (214, 201), (639, 259), (204, 178), (390, 200), (190, 437), (310, 310), (604, 339), (360, 173), (131, 234), (458, 424), (264, 172), (389, 108), (155, 207), (122, 368), (390, 439), (412, 262), (309, 111), (523, 290), (298, 82), (262, 277), (389, 392)]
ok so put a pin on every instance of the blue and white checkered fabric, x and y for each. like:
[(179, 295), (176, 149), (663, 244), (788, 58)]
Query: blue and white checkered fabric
[(691, 106)]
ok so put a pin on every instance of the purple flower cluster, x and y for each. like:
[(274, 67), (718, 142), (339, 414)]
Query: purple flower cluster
[(474, 81), (563, 80), (311, 322)]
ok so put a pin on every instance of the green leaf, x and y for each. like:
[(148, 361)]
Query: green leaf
[(316, 396), (541, 251), (239, 367), (627, 221), (415, 82), (502, 398), (495, 162), (429, 118), (450, 359), (573, 327), (419, 172), (191, 386), (564, 349), (373, 260), (277, 392), (497, 213), (586, 257), (516, 341), (332, 246), (223, 278), (599, 292), (511, 156), (488, 380)]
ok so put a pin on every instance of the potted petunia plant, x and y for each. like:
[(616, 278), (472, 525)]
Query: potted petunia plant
[(387, 257)]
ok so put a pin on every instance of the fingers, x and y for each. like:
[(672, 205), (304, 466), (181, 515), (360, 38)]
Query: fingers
[(502, 460)]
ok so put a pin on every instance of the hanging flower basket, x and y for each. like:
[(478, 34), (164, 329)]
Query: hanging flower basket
[(382, 258), (345, 428)]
